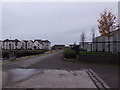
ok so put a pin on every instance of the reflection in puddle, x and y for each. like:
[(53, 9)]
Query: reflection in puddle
[(49, 78), (21, 74)]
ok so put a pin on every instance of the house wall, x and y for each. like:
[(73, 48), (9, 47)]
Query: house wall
[(37, 45), (23, 45), (101, 43), (47, 45), (1, 45), (29, 44), (58, 47), (11, 44), (19, 45)]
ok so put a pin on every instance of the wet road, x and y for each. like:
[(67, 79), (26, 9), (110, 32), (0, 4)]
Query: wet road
[(108, 73), (49, 79)]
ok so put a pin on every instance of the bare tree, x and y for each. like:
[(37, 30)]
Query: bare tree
[(93, 33), (82, 38), (107, 25)]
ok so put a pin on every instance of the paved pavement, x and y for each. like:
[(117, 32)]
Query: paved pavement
[(54, 79), (55, 61)]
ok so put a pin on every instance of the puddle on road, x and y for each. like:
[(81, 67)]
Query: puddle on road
[(17, 75), (48, 78), (21, 74)]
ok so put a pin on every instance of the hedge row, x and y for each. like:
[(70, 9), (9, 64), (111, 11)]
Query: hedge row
[(21, 53), (69, 53)]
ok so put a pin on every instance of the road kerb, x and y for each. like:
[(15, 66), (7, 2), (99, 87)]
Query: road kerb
[(100, 84)]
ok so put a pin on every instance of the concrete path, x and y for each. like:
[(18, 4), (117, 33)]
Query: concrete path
[(55, 79)]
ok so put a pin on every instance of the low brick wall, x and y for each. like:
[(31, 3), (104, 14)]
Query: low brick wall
[(100, 59)]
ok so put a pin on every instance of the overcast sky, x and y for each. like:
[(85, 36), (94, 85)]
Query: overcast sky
[(61, 23)]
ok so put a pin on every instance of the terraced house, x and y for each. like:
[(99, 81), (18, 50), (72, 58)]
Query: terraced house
[(25, 44), (38, 44), (10, 44)]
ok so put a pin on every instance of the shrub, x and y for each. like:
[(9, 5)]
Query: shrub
[(69, 53)]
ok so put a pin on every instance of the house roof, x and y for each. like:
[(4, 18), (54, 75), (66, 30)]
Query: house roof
[(16, 40), (45, 41), (39, 41), (30, 40), (7, 40), (25, 41), (59, 45)]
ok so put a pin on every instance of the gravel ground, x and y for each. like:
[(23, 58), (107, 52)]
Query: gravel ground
[(109, 73)]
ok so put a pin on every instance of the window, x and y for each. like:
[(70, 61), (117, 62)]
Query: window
[(15, 43)]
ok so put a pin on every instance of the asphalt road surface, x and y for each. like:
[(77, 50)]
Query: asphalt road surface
[(55, 61)]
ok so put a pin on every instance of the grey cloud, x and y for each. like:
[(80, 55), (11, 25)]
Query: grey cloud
[(58, 22)]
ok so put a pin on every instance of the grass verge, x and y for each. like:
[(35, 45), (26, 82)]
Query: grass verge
[(22, 58)]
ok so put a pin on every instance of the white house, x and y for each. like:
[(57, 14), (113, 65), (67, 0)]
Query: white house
[(29, 44), (11, 44), (46, 44), (24, 44), (87, 46), (38, 44), (0, 44)]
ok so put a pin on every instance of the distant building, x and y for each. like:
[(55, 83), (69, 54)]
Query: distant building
[(87, 46), (25, 44), (58, 47), (29, 44), (46, 44), (11, 44), (0, 44), (71, 45), (38, 44), (101, 43)]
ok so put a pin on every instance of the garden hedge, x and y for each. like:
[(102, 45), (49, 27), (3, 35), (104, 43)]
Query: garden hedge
[(69, 53), (21, 53)]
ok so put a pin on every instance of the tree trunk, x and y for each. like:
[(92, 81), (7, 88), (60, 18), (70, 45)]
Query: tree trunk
[(83, 45), (96, 45), (91, 47), (108, 43)]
